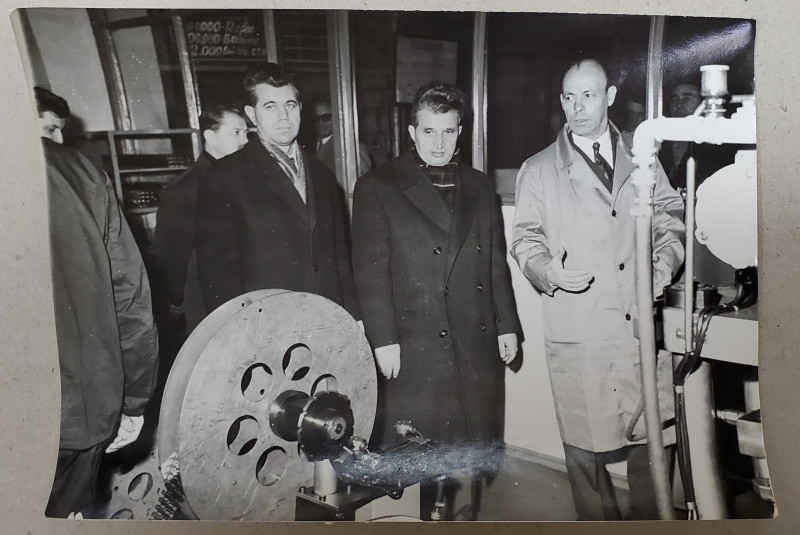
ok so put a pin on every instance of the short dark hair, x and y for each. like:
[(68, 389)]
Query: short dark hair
[(212, 118), (439, 98), (580, 60), (270, 74), (49, 101)]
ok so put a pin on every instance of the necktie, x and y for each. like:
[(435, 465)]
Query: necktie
[(599, 160)]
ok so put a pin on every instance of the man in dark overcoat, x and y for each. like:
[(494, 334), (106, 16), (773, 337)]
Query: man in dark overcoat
[(434, 285), (271, 216), (106, 335), (224, 132)]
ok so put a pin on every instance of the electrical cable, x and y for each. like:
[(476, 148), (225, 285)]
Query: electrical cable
[(746, 295)]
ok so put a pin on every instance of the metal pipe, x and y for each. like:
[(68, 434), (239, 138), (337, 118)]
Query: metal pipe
[(479, 92), (688, 300), (643, 180), (655, 67), (740, 129), (708, 489), (340, 65)]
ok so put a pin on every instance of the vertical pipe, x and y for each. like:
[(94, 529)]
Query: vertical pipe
[(397, 131), (341, 83), (647, 355), (708, 489), (187, 76), (643, 217), (479, 92), (752, 402), (111, 69), (270, 36), (688, 300), (655, 68)]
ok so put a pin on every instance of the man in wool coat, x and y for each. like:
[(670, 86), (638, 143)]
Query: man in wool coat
[(434, 287), (270, 215)]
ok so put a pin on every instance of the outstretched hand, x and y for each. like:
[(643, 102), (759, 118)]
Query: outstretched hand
[(570, 280)]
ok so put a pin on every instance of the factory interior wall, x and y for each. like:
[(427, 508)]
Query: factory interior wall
[(63, 53)]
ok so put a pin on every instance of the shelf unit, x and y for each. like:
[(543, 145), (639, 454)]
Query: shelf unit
[(138, 187), (123, 143)]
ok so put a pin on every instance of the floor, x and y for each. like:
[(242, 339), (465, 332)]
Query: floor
[(527, 491)]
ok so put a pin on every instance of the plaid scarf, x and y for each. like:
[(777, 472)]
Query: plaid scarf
[(296, 173), (443, 177)]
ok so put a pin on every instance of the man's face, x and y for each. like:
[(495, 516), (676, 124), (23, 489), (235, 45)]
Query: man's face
[(229, 137), (276, 114), (585, 99), (435, 135), (50, 126), (323, 120), (684, 101)]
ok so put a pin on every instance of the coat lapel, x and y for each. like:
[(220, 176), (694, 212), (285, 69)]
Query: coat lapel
[(265, 165), (623, 165), (576, 167), (464, 207), (311, 191), (419, 190)]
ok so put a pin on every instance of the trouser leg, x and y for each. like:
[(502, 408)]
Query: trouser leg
[(74, 484), (592, 489), (643, 505)]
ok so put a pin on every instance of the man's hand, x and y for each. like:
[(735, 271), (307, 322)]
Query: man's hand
[(388, 358), (662, 277), (570, 280), (129, 429), (508, 346)]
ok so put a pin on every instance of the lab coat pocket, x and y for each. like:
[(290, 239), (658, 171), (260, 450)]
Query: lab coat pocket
[(562, 318)]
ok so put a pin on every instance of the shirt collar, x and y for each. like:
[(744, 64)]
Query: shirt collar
[(585, 145), (291, 152)]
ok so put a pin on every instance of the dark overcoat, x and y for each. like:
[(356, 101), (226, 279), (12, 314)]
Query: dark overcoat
[(107, 339), (437, 283), (254, 231), (174, 241)]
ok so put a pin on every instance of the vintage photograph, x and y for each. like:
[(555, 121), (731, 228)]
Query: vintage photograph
[(341, 265)]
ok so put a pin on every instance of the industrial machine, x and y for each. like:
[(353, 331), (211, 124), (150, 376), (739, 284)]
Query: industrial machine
[(699, 324), (266, 415)]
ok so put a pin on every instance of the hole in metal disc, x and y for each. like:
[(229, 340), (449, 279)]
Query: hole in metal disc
[(140, 486), (123, 514), (271, 466), (297, 361), (325, 382), (256, 382), (243, 435)]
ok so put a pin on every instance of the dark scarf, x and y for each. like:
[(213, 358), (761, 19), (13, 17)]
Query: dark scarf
[(443, 177)]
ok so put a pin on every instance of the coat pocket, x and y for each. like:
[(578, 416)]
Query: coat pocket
[(561, 319)]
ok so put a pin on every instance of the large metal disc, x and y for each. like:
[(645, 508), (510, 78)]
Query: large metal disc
[(181, 371), (233, 466)]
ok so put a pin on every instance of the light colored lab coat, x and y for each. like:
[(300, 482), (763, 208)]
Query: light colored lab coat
[(592, 353)]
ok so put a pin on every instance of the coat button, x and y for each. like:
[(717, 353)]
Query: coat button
[(621, 267), (613, 213), (316, 268), (437, 250), (628, 317), (479, 287), (483, 326), (443, 333), (478, 248), (446, 290)]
